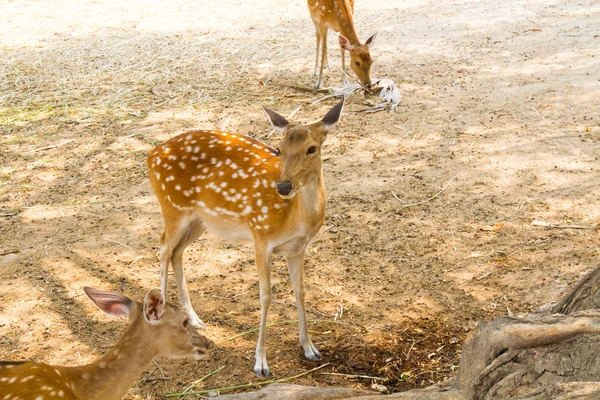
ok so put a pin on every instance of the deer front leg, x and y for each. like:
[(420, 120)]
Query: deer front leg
[(344, 77), (263, 264), (296, 269)]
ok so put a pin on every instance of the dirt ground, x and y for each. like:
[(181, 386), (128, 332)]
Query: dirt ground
[(501, 96)]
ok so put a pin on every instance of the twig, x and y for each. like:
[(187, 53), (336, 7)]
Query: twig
[(193, 384), (67, 141), (4, 253), (432, 197), (158, 378), (294, 112), (114, 241), (136, 260), (559, 226), (245, 385), (352, 376)]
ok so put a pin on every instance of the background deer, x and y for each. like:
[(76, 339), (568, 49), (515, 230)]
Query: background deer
[(242, 189), (337, 16), (156, 329)]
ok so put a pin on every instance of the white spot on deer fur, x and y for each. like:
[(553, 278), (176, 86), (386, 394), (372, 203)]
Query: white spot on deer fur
[(223, 184), (173, 157), (277, 206), (3, 379), (61, 393), (181, 165), (205, 170), (188, 137), (247, 210), (169, 167), (37, 398), (244, 190), (162, 186), (259, 202), (170, 178), (227, 148), (196, 149), (234, 175), (197, 188), (157, 160), (266, 227), (221, 173), (265, 183), (213, 160), (265, 209), (219, 164), (202, 156), (12, 380), (194, 158), (272, 184), (188, 149), (27, 378)]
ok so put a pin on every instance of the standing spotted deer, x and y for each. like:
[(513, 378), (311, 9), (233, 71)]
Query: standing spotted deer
[(337, 16), (156, 329), (243, 189)]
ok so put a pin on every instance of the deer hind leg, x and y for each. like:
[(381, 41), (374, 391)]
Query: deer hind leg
[(182, 238), (296, 269), (263, 264), (323, 33), (318, 35)]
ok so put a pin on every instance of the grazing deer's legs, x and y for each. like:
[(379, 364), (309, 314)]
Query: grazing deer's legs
[(172, 244), (344, 77), (324, 31), (193, 232), (318, 35), (164, 258), (296, 269), (263, 264)]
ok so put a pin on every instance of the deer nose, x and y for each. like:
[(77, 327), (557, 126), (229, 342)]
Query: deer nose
[(284, 188)]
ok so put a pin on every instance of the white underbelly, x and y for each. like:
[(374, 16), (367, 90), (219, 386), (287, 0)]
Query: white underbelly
[(229, 230)]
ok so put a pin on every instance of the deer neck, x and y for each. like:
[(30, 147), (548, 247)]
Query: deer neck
[(346, 23), (311, 199), (111, 376)]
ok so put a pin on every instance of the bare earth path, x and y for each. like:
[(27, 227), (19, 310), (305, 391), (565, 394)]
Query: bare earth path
[(504, 96)]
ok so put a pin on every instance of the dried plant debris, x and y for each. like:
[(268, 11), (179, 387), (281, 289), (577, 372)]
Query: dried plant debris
[(388, 92)]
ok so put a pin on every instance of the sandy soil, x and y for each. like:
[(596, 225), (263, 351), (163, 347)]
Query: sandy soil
[(502, 96)]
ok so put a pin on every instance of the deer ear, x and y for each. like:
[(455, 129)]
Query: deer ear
[(345, 43), (333, 116), (370, 41), (154, 306), (113, 304), (278, 121)]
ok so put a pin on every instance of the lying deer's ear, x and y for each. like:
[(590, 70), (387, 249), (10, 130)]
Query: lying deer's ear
[(278, 121), (113, 304), (154, 305), (333, 116)]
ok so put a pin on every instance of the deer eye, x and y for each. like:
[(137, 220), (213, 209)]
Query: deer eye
[(278, 151), (311, 150), (357, 63), (186, 322)]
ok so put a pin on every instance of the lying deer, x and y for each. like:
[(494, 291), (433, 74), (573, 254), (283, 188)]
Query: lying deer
[(243, 189), (156, 329), (337, 16)]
